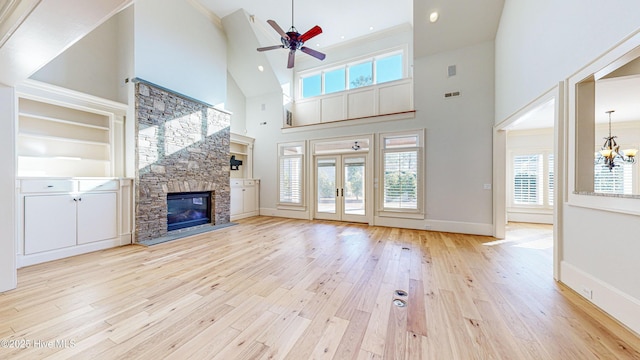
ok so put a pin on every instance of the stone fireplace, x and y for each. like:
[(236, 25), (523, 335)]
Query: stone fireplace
[(182, 146)]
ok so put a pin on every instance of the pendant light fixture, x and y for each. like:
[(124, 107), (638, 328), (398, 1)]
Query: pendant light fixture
[(610, 155)]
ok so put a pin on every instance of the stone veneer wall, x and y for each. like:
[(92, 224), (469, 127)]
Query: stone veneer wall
[(182, 146)]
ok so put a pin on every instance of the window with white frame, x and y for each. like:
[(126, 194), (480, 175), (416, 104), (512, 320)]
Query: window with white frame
[(532, 181), (401, 159), (621, 179), (364, 72), (618, 180), (291, 174)]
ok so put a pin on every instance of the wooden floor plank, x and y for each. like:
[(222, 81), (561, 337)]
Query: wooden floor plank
[(275, 288)]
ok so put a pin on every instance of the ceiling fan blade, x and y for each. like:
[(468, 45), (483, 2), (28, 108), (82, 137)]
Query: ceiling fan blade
[(292, 58), (270, 47), (314, 31), (278, 29), (314, 53)]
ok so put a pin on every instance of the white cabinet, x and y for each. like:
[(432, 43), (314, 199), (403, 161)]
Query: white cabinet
[(65, 217), (245, 196), (97, 217), (58, 221), (49, 222)]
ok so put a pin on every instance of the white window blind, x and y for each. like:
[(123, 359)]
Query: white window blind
[(618, 180), (290, 174), (527, 179), (401, 179), (550, 180)]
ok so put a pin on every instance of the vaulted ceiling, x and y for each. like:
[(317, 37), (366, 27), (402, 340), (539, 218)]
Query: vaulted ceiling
[(461, 22), (28, 40)]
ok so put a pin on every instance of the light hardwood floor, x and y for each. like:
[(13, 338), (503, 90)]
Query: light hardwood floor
[(281, 288)]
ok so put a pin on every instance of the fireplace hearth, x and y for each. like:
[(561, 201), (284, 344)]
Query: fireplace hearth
[(188, 209)]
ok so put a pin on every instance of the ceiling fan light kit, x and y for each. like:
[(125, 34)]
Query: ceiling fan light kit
[(293, 40)]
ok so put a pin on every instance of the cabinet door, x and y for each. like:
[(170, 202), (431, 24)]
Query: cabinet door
[(237, 202), (49, 222), (97, 217), (249, 200)]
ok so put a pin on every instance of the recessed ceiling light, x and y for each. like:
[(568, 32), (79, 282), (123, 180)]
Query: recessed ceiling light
[(260, 67), (433, 17), (342, 37), (370, 27), (317, 44)]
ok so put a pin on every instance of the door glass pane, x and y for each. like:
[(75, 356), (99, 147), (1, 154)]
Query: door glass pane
[(354, 176), (326, 186)]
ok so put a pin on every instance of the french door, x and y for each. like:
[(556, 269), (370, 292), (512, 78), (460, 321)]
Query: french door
[(340, 187)]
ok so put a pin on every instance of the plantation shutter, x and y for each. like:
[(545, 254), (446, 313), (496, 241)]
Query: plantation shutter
[(291, 180), (401, 179), (527, 184), (618, 180), (290, 174), (550, 180)]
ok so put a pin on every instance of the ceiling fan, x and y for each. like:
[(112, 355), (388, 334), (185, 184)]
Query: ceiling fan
[(293, 41)]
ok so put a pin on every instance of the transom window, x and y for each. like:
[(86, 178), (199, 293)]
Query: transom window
[(369, 71)]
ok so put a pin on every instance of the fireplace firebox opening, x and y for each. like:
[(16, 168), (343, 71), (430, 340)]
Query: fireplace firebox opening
[(188, 209)]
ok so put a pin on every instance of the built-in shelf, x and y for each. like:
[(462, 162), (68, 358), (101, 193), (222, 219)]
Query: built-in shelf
[(62, 121), (58, 140), (242, 147), (65, 139)]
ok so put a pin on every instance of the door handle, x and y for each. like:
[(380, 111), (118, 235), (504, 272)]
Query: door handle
[(342, 192), (337, 192)]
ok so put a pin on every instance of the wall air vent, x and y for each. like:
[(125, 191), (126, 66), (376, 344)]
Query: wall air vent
[(451, 70)]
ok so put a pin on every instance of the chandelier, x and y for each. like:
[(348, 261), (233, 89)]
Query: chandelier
[(610, 155)]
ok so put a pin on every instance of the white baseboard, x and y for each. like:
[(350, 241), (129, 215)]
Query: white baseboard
[(614, 302), (126, 239), (293, 214), (530, 217), (32, 259), (419, 224), (243, 215), (461, 227)]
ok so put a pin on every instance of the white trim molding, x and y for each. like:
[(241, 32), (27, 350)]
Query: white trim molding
[(614, 302)]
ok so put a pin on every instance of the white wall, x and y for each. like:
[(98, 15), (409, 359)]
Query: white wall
[(8, 277), (541, 42), (179, 48), (458, 143), (237, 104), (459, 132), (538, 44), (94, 65)]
